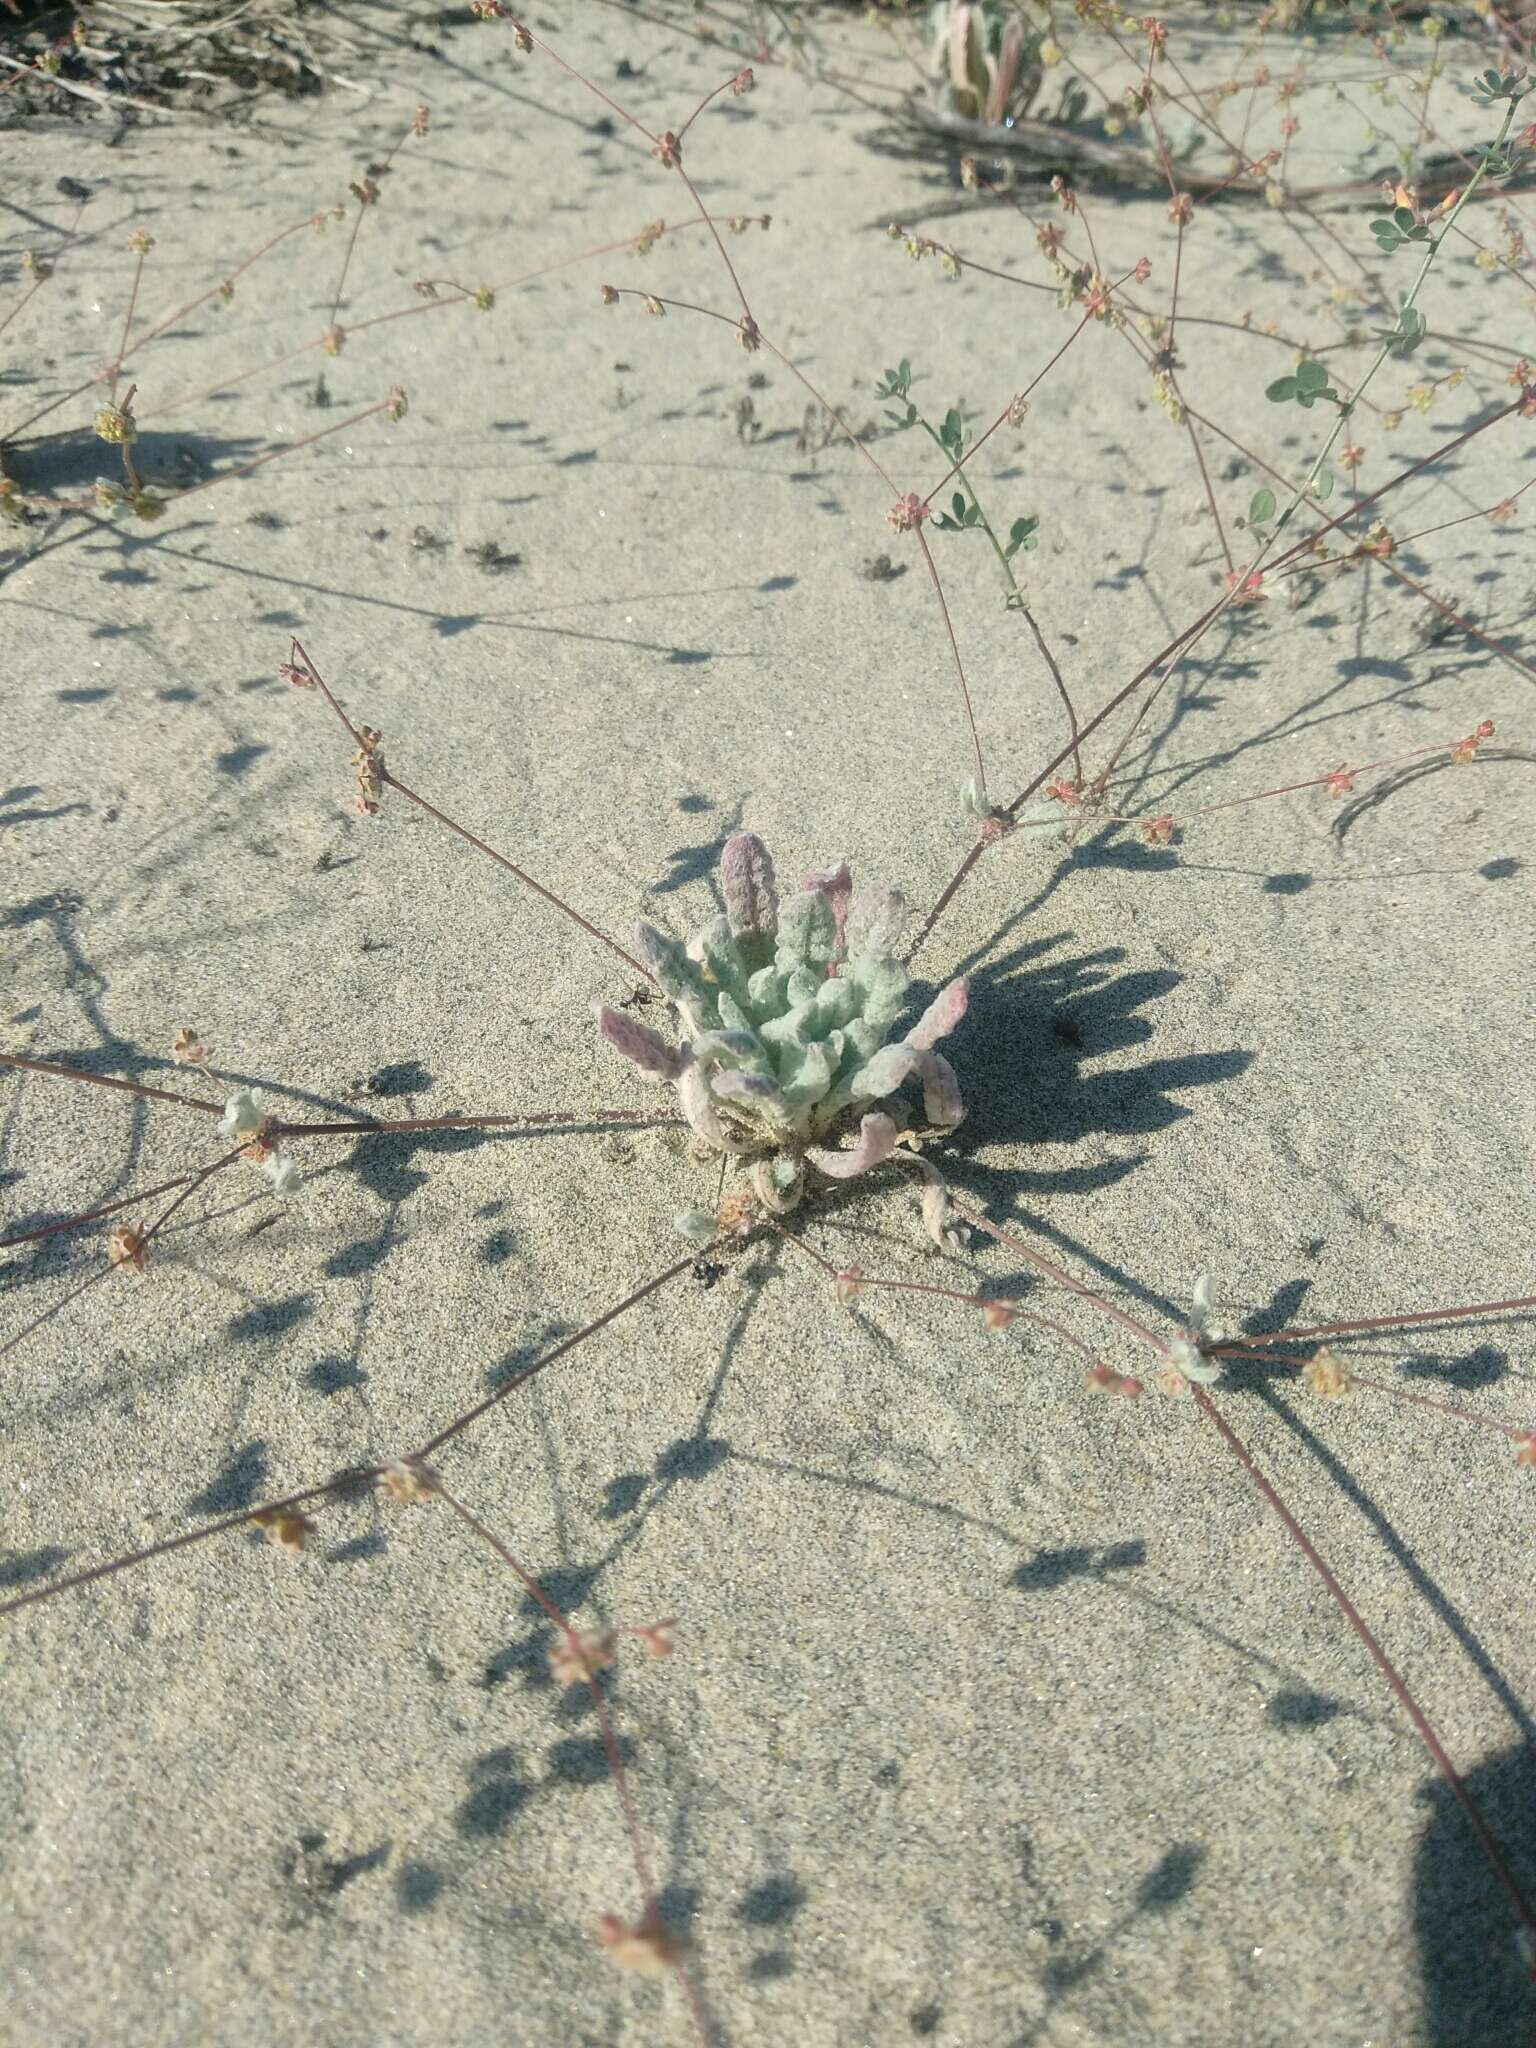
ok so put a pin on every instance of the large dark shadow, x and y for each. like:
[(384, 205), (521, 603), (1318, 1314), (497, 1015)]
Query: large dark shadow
[(1477, 1991), (1041, 1017), (69, 463)]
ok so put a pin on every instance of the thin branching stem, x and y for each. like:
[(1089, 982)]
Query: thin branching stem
[(59, 1071), (359, 1476), (133, 300), (534, 1119), (79, 1222), (617, 1770), (463, 831), (1467, 1312), (106, 1266), (569, 1344), (1389, 1671)]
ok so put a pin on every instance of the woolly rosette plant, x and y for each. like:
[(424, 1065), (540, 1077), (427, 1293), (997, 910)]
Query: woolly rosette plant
[(786, 1015)]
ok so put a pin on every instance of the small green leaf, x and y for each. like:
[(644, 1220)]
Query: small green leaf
[(1261, 508), (1310, 376), (1282, 391), (957, 505), (1403, 216), (1405, 337), (1322, 489)]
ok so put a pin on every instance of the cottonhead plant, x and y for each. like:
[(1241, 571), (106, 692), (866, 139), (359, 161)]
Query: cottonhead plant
[(678, 1759), (786, 1014)]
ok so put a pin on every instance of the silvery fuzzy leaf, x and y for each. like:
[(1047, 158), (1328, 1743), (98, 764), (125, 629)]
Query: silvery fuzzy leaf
[(836, 884), (720, 956), (882, 986), (648, 1050), (1200, 1319), (697, 1225), (694, 1101), (861, 1041), (747, 885), (244, 1114), (732, 1015), (733, 1084), (789, 1032), (807, 932), (675, 973), (728, 1049), (805, 1076), (877, 917), (941, 1091), (752, 1094), (884, 1074), (972, 799), (836, 1002), (802, 987), (941, 1015), (876, 1142), (1188, 1359), (765, 993)]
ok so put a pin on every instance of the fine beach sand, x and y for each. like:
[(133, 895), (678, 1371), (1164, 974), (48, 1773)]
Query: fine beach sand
[(999, 1715)]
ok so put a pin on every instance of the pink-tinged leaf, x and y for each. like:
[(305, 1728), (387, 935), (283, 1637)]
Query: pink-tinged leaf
[(836, 884), (876, 920), (877, 1141), (1009, 55), (649, 1051), (941, 1091), (883, 1074), (941, 1015), (757, 1091), (694, 1100), (952, 1237), (746, 883)]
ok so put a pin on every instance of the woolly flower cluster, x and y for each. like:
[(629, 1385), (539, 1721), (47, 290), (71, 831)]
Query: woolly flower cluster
[(246, 1120), (787, 1014)]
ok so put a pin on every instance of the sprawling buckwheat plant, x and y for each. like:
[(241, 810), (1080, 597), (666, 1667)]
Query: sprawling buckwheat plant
[(797, 1058)]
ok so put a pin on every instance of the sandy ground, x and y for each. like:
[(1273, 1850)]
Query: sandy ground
[(999, 1715)]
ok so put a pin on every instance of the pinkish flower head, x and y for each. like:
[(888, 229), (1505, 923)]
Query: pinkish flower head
[(908, 513)]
